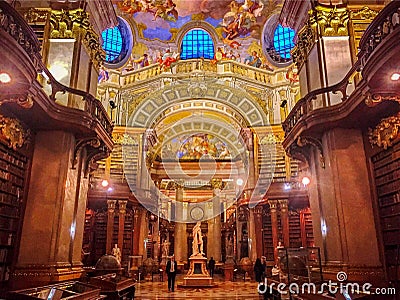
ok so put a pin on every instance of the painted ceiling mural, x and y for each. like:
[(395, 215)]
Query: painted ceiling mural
[(195, 147), (238, 23)]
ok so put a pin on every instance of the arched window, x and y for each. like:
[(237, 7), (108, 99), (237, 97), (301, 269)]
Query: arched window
[(283, 40), (117, 43), (197, 43)]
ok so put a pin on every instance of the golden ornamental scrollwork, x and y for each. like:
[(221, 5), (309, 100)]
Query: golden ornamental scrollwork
[(124, 139), (12, 133), (217, 183), (94, 48), (34, 15), (385, 132), (305, 42), (374, 99), (364, 13), (25, 101), (332, 21)]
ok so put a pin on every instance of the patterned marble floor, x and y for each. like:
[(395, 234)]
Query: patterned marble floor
[(238, 290)]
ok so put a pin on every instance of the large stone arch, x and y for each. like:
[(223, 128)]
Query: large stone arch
[(155, 104)]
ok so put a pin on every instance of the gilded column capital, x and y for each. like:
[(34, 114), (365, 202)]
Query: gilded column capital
[(74, 24), (258, 211), (122, 206), (111, 206), (273, 205), (283, 204), (331, 20)]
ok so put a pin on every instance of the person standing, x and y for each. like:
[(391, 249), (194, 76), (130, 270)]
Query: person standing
[(211, 266), (171, 273), (258, 270)]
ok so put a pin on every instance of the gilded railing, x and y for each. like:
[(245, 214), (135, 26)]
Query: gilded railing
[(384, 23), (182, 68), (14, 24)]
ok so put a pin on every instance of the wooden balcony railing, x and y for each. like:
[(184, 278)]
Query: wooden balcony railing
[(14, 24), (384, 23)]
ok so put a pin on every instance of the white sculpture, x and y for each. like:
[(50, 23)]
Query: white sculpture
[(197, 244), (116, 252), (165, 248)]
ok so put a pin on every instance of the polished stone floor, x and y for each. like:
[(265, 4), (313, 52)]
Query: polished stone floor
[(238, 290)]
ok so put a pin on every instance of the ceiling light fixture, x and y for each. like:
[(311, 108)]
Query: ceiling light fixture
[(5, 78), (395, 76)]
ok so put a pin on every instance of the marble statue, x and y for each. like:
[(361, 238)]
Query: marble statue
[(197, 244), (116, 252), (165, 248)]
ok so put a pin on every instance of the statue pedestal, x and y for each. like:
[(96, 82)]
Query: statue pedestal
[(198, 275)]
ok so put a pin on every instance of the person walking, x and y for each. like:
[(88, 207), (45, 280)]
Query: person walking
[(259, 270), (171, 273)]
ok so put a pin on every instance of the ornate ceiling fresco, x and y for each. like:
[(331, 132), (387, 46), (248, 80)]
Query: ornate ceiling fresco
[(238, 23)]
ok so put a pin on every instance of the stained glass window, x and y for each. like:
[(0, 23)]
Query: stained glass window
[(197, 43), (112, 43), (283, 40)]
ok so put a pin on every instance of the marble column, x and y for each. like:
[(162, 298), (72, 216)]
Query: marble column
[(121, 223), (180, 236), (252, 236), (52, 231), (214, 224), (274, 224), (136, 230), (258, 228), (342, 208), (110, 224), (283, 204), (143, 233)]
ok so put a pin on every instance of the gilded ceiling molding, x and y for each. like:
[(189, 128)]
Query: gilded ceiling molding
[(25, 101), (374, 99), (332, 21), (308, 140), (385, 132), (75, 24), (12, 133)]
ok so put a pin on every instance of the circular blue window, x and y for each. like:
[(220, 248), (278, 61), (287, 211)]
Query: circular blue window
[(277, 42), (117, 43), (283, 41)]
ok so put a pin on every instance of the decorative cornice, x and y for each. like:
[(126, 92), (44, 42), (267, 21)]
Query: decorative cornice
[(385, 132), (82, 143), (12, 133), (25, 101), (374, 99)]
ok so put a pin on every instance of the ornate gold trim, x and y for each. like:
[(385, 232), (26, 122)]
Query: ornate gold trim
[(12, 133), (305, 42), (374, 99), (385, 132), (332, 21), (364, 13), (124, 139)]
